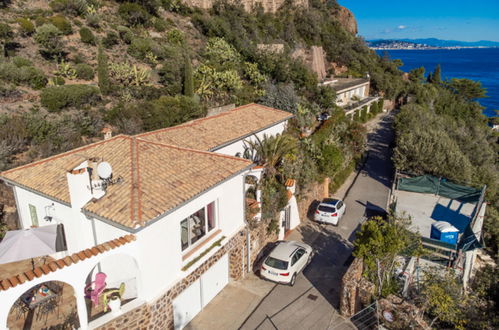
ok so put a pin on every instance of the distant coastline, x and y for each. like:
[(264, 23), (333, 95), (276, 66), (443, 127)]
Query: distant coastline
[(429, 48), (428, 44)]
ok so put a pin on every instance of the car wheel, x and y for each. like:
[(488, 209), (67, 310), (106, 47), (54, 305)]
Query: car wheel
[(293, 280)]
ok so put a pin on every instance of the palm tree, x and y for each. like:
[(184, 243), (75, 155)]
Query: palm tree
[(270, 150)]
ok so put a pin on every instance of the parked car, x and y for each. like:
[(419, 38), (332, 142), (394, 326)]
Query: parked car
[(330, 210), (285, 261), (323, 116)]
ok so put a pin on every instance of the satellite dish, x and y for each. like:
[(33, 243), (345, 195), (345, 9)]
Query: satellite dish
[(104, 170)]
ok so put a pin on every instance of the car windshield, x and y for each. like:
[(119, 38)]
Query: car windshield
[(327, 209), (331, 201), (276, 263)]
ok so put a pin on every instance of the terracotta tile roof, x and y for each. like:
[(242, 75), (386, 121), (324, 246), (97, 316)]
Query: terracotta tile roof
[(156, 177), (215, 131), (52, 266), (289, 183)]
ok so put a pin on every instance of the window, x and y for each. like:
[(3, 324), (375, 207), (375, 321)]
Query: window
[(195, 226), (34, 216), (297, 256), (327, 209), (276, 263)]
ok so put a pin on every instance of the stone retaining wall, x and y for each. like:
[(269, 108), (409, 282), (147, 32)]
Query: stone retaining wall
[(356, 292)]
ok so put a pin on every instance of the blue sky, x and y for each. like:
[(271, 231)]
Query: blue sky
[(466, 20)]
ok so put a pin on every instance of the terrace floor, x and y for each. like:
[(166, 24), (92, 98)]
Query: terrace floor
[(425, 209)]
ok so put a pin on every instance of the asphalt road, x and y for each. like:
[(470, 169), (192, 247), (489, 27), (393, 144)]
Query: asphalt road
[(313, 302)]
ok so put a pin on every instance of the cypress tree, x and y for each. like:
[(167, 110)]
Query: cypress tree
[(188, 79), (437, 75), (102, 71)]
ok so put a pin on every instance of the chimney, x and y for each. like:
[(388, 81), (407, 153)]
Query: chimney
[(108, 132), (79, 184), (84, 183)]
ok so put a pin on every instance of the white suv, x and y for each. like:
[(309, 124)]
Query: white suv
[(285, 261), (330, 210)]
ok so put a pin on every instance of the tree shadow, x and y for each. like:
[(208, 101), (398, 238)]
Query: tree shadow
[(312, 208), (330, 262), (264, 252)]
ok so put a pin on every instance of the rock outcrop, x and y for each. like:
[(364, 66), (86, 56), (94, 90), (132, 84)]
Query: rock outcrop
[(347, 20)]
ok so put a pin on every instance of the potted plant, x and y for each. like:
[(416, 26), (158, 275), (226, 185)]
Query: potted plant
[(115, 303)]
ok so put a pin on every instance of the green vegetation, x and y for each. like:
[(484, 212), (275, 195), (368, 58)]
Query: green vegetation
[(20, 72), (84, 71), (26, 27), (62, 24), (133, 13), (378, 242), (103, 72), (48, 38), (87, 36), (59, 97)]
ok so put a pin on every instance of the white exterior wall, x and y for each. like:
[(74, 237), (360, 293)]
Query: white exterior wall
[(78, 229), (160, 252), (238, 146), (74, 275)]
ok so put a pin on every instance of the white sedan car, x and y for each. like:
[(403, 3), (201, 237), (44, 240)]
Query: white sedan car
[(330, 210), (285, 261)]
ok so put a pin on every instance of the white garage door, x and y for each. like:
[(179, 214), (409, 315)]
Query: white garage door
[(215, 279), (190, 302), (187, 305)]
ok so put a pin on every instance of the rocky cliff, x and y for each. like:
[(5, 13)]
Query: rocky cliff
[(347, 20)]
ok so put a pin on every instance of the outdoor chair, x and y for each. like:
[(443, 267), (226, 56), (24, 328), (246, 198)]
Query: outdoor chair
[(108, 294), (20, 309), (94, 289)]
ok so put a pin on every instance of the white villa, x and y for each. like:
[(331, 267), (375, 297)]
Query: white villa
[(168, 223), (352, 94)]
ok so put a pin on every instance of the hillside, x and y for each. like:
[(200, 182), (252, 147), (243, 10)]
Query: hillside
[(160, 63)]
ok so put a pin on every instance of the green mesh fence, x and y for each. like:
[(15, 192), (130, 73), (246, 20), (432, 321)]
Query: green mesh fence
[(429, 184)]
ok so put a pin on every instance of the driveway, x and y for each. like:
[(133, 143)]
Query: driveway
[(313, 301)]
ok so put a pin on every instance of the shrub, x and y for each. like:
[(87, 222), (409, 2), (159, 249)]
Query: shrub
[(110, 39), (133, 13), (87, 36), (40, 20), (331, 160), (48, 37), (93, 19), (34, 77), (84, 71), (26, 27), (24, 75), (59, 97), (21, 61), (69, 7), (125, 34), (5, 31), (57, 81), (141, 48), (159, 24), (62, 24)]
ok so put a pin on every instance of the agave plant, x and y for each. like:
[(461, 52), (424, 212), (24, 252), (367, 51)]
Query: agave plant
[(65, 70)]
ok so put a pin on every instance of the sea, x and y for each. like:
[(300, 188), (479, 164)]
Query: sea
[(480, 64)]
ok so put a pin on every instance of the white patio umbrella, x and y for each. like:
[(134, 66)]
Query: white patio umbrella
[(28, 243)]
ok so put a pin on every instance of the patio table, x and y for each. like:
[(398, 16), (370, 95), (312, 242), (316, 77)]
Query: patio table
[(39, 295)]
